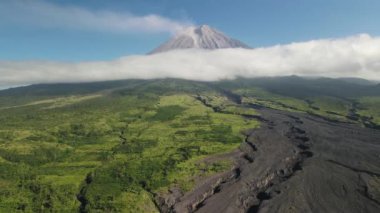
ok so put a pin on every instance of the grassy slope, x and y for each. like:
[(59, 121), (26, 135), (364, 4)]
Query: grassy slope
[(326, 106), (113, 150), (370, 107), (331, 98)]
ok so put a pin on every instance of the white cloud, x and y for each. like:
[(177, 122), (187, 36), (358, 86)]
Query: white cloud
[(42, 14), (357, 56)]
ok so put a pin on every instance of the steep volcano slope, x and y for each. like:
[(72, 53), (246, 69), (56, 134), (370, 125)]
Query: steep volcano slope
[(202, 37)]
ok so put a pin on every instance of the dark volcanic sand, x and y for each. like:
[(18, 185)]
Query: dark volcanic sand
[(293, 163)]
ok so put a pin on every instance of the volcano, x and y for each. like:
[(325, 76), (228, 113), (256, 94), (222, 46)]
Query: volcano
[(201, 37)]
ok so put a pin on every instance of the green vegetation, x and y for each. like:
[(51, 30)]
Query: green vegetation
[(223, 104), (111, 151), (369, 107), (335, 108), (262, 97), (112, 146)]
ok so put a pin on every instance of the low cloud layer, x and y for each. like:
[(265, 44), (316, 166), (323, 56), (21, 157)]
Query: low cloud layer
[(357, 56), (38, 13)]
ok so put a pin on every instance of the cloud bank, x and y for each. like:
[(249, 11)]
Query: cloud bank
[(356, 56), (38, 13)]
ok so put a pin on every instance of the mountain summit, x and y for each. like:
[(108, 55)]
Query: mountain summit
[(202, 37)]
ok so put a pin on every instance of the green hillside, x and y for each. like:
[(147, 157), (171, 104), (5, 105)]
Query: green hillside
[(113, 146)]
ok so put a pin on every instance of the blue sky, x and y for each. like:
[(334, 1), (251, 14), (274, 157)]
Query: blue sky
[(77, 30)]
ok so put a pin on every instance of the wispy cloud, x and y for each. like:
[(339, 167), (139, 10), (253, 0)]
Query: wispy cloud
[(38, 13), (356, 56)]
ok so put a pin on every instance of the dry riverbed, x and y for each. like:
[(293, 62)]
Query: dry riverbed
[(293, 163)]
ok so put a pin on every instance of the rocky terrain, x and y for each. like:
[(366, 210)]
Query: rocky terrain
[(200, 37), (294, 163)]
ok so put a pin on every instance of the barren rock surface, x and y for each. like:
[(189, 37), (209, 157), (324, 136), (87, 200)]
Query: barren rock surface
[(295, 163)]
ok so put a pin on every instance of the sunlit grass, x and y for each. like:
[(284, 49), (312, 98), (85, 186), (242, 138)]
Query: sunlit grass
[(55, 143), (56, 102), (369, 107)]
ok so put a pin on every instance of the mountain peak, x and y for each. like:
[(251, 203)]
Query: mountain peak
[(199, 37), (204, 28)]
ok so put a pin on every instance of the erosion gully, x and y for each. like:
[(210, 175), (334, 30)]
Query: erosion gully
[(295, 162)]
